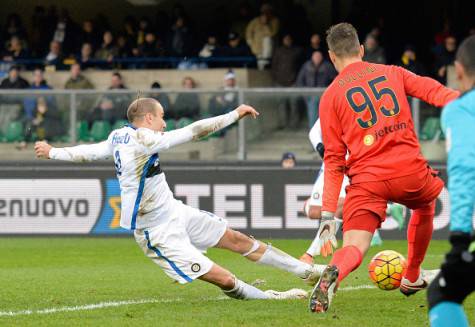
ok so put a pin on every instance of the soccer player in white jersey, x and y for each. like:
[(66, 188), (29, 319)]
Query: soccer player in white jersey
[(171, 233), (313, 205)]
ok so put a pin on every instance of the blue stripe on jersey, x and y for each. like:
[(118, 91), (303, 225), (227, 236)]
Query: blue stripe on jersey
[(131, 126), (146, 167), (171, 263)]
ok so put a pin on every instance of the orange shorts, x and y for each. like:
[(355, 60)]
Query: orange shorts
[(414, 191)]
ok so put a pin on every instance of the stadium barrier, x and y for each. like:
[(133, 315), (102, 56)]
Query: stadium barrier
[(264, 201), (73, 107)]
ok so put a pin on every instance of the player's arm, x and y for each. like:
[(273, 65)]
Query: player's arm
[(426, 88), (461, 159), (335, 152), (315, 136), (157, 142), (79, 153)]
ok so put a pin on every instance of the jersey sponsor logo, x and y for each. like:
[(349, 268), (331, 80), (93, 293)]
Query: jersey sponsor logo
[(120, 139), (389, 130), (60, 206), (368, 140), (195, 267)]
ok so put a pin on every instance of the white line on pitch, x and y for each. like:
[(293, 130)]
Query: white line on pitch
[(109, 304)]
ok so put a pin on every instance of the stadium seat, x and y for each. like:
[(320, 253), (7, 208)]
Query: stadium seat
[(171, 124), (14, 132), (183, 122), (119, 124), (82, 131), (431, 129), (100, 130)]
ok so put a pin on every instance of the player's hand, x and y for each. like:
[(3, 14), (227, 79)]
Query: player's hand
[(42, 149), (327, 235), (245, 110)]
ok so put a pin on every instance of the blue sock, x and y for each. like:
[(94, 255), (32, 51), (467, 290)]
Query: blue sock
[(448, 314)]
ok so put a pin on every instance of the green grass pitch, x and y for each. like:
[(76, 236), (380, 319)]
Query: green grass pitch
[(109, 282)]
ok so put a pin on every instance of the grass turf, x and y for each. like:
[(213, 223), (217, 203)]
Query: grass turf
[(50, 273)]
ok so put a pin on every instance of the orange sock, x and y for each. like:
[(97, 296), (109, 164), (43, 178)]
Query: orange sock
[(419, 234), (346, 259)]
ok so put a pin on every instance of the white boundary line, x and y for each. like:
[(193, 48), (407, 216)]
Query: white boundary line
[(110, 304)]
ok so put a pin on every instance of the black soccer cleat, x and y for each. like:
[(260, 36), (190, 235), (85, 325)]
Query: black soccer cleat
[(324, 290)]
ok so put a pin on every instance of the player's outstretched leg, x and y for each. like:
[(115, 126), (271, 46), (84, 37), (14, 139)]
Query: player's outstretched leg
[(238, 289), (419, 234), (266, 254)]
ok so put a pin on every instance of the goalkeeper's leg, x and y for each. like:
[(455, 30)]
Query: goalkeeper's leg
[(356, 241)]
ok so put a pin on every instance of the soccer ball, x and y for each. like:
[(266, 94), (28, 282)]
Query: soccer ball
[(386, 269)]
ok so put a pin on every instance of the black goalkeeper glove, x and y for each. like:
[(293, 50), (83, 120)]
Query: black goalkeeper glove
[(459, 260)]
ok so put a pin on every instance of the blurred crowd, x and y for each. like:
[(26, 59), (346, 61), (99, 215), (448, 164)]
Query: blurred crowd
[(248, 39), (283, 44)]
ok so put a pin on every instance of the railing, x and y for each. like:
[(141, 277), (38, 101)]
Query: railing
[(143, 62), (70, 108)]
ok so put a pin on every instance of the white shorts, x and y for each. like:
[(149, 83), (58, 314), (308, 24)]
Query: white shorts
[(317, 191), (177, 244)]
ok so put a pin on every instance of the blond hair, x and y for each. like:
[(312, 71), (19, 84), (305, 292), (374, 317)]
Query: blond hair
[(140, 107)]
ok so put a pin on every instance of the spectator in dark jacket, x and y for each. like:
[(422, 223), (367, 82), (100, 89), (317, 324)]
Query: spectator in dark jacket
[(15, 50), (186, 104), (46, 122), (409, 61), (39, 83), (285, 65), (286, 62), (161, 97), (314, 45), (445, 59), (180, 38), (108, 50), (111, 106), (208, 49), (227, 101), (372, 51), (317, 72), (89, 35), (152, 48), (14, 80), (65, 33), (235, 47), (41, 115), (85, 58), (55, 58)]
